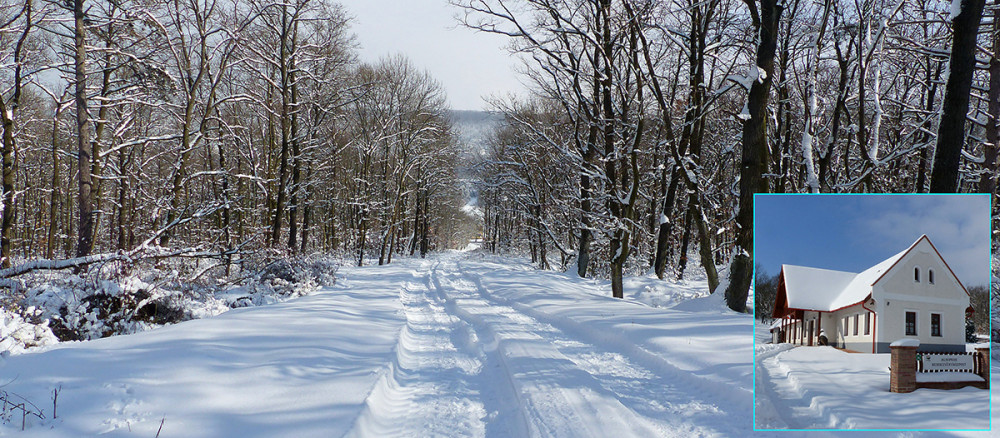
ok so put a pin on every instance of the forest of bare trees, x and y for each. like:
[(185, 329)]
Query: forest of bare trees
[(652, 123), (221, 128), (218, 128)]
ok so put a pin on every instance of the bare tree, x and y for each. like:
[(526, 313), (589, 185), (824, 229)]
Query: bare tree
[(951, 131), (754, 150)]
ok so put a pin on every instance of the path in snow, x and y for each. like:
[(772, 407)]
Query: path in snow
[(433, 384), (455, 345), (568, 386)]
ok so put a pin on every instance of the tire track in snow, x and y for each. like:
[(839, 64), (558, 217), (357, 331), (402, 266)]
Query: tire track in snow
[(709, 392), (430, 387), (500, 397), (573, 388)]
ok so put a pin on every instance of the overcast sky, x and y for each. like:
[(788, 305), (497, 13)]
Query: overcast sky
[(854, 232), (469, 64)]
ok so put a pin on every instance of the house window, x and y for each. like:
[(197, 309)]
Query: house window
[(845, 326), (935, 324), (930, 276), (868, 323), (911, 323), (855, 325), (916, 275)]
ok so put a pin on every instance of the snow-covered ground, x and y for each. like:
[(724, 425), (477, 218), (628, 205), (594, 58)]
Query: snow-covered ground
[(826, 388), (459, 344)]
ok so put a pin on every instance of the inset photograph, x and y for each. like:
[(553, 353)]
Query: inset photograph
[(872, 312)]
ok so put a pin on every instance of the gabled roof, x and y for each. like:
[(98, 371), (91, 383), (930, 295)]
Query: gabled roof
[(813, 288), (826, 290)]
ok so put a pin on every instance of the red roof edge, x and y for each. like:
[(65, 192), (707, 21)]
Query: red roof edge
[(946, 265), (922, 237), (914, 245)]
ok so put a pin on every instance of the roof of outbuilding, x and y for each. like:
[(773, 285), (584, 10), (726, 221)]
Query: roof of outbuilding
[(827, 290)]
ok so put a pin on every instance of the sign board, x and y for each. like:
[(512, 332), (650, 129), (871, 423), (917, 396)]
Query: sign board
[(947, 362)]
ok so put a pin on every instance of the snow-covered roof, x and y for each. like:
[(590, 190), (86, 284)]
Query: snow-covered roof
[(827, 290), (813, 288)]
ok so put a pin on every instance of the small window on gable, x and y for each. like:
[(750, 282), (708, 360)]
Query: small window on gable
[(916, 275), (930, 276)]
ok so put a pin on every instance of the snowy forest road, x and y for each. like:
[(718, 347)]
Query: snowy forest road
[(455, 345), (508, 369), (459, 344), (468, 365)]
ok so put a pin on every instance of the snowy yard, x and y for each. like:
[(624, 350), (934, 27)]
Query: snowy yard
[(459, 344), (826, 388)]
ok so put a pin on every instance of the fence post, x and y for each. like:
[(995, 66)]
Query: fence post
[(903, 374), (983, 364)]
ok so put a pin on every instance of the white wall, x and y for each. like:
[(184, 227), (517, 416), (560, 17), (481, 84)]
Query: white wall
[(897, 292), (860, 342)]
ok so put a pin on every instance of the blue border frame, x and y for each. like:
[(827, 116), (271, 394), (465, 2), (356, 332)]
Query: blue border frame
[(989, 286)]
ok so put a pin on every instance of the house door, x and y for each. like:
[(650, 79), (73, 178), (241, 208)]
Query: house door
[(809, 333)]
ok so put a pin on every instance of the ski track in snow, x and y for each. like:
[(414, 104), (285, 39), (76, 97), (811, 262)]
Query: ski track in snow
[(579, 389), (431, 388), (467, 364)]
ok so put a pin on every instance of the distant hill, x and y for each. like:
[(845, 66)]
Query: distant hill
[(474, 127)]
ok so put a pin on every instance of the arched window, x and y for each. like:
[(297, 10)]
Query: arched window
[(916, 275), (930, 276)]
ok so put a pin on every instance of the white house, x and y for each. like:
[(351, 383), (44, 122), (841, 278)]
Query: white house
[(911, 295)]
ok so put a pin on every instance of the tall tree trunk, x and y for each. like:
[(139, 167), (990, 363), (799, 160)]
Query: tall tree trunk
[(951, 130), (925, 136), (663, 234), (583, 253), (7, 125), (85, 202), (56, 203), (752, 165), (307, 211), (417, 207), (96, 169), (123, 191), (705, 246), (8, 207), (812, 105), (293, 207), (988, 180), (285, 128), (839, 109), (424, 239), (685, 239)]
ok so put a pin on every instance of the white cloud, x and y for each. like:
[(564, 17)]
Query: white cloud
[(958, 225), (469, 64)]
